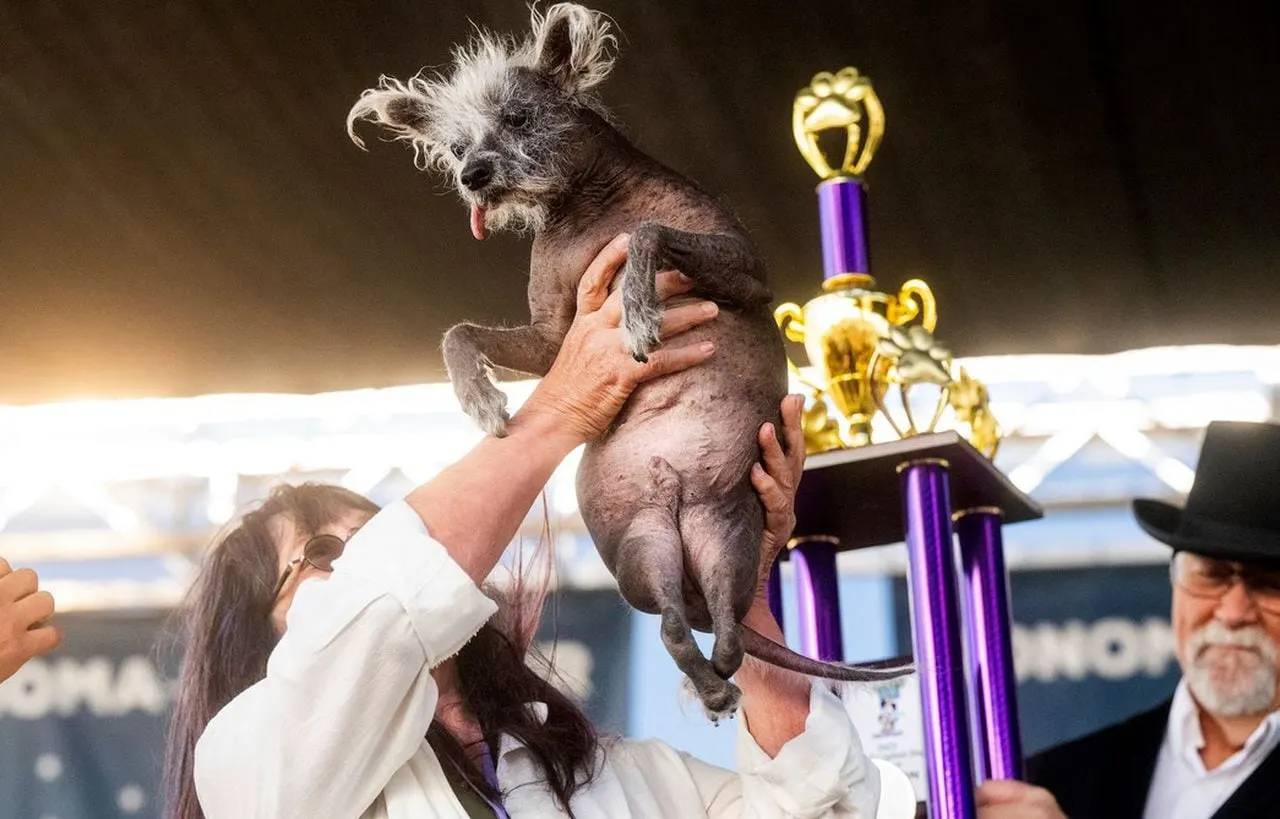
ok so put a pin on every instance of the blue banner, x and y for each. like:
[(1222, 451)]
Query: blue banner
[(82, 729), (1091, 647)]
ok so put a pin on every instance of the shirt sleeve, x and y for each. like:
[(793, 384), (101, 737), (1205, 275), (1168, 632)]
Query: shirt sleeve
[(348, 695), (822, 772)]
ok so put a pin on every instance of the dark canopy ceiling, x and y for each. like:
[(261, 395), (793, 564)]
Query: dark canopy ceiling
[(181, 212)]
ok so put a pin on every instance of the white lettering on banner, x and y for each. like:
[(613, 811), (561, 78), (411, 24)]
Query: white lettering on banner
[(139, 687), (1113, 648), (64, 686), (88, 683)]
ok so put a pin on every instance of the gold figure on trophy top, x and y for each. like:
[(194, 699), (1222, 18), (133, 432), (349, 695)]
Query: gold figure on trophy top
[(843, 100)]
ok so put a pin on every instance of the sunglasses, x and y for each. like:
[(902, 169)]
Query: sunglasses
[(1210, 578), (319, 553)]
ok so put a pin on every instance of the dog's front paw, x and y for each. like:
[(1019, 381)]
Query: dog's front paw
[(641, 327), (486, 404)]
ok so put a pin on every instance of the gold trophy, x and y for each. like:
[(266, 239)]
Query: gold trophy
[(861, 341)]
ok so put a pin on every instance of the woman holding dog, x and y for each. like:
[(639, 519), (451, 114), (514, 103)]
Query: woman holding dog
[(313, 700)]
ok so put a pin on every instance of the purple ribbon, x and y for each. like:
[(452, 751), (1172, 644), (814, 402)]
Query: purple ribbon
[(491, 776)]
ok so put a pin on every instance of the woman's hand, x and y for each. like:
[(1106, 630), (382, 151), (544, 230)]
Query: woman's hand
[(594, 374), (24, 619), (776, 479), (1010, 799)]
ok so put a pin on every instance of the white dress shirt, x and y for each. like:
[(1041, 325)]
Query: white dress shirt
[(337, 727), (1181, 788)]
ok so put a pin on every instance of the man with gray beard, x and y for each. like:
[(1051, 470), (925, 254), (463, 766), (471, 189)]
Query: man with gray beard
[(1211, 750)]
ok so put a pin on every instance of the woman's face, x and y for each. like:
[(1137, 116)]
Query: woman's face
[(289, 542)]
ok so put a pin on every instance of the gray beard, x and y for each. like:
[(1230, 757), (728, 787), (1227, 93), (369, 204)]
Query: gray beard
[(1238, 686)]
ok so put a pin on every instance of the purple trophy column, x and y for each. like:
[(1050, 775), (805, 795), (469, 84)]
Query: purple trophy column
[(818, 598), (937, 638), (988, 616), (842, 213), (773, 590)]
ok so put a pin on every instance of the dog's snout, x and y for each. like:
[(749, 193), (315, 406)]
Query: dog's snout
[(476, 175)]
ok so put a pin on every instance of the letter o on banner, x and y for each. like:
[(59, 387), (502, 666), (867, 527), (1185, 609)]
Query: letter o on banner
[(1115, 648), (30, 693)]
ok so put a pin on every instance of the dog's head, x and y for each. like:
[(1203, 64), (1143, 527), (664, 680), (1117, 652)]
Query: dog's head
[(502, 122)]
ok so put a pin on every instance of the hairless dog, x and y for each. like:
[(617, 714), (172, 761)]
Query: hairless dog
[(666, 491)]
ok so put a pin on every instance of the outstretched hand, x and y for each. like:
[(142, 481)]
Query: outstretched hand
[(594, 374), (777, 478), (24, 614)]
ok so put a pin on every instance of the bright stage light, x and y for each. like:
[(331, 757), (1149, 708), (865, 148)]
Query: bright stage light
[(97, 453)]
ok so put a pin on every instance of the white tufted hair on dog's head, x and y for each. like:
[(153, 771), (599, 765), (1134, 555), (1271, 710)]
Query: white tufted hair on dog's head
[(467, 115), (404, 108), (574, 46)]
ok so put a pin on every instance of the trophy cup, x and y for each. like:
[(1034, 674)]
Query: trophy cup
[(872, 484)]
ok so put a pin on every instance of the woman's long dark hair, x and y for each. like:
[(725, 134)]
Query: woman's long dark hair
[(227, 636)]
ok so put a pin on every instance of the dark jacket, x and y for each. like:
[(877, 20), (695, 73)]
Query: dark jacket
[(1106, 774)]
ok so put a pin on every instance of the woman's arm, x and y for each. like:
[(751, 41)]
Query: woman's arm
[(348, 694), (775, 702)]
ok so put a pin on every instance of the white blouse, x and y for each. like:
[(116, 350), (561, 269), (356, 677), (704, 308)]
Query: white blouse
[(337, 728)]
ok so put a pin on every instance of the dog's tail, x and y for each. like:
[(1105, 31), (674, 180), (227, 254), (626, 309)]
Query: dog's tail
[(762, 648)]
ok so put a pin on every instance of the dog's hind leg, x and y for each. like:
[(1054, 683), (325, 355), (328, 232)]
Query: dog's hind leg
[(650, 573), (724, 266), (650, 564), (723, 562)]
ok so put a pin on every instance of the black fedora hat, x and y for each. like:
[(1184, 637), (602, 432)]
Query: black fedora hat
[(1233, 509)]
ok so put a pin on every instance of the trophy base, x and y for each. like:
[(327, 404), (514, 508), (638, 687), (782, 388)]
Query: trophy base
[(854, 494)]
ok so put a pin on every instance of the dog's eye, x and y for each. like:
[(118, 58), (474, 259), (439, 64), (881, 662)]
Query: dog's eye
[(458, 149), (517, 119)]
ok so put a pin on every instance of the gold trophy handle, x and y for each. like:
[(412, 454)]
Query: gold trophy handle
[(790, 320), (907, 309)]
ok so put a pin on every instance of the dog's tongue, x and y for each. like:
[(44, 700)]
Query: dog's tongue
[(477, 221)]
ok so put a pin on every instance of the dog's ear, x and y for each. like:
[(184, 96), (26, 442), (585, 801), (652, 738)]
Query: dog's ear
[(405, 108), (574, 46)]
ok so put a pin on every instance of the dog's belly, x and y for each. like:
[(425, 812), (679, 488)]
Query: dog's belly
[(705, 424)]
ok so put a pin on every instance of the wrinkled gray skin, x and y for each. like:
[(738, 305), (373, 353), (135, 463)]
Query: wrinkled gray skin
[(666, 492)]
